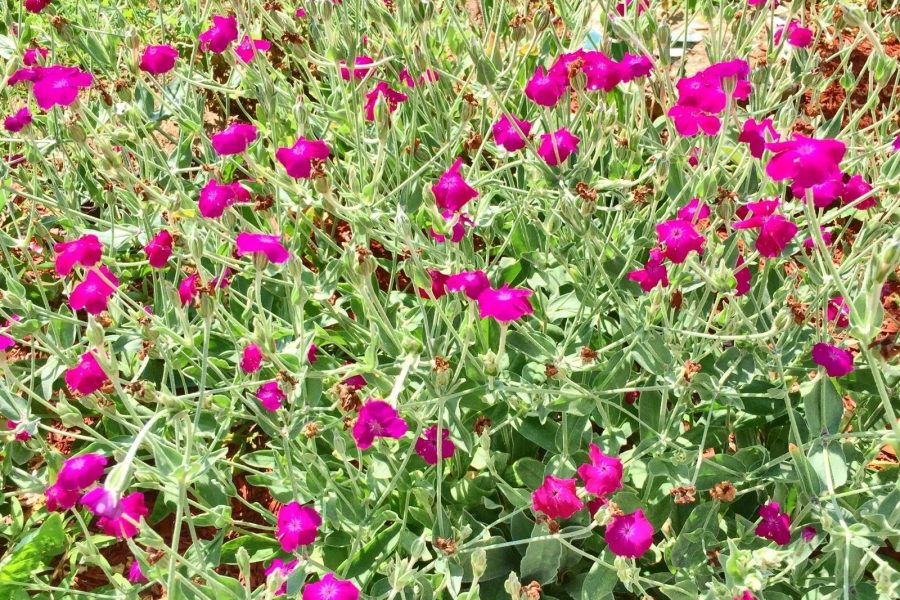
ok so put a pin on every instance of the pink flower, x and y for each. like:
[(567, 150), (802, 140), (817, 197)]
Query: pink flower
[(159, 249), (545, 88), (746, 595), (505, 304), (825, 193), (355, 382), (6, 341), (470, 282), (629, 535), (556, 147), (855, 188), (215, 197), (135, 575), (87, 376), (102, 502), (329, 588), (604, 475), (298, 159), (189, 288), (94, 292), (677, 238), (157, 60), (689, 121), (60, 499), (896, 143), (85, 251), (622, 7), (653, 273), (693, 211), (20, 436), (775, 525), (219, 37), (634, 66), (506, 135), (458, 231), (297, 526), (260, 243), (126, 519), (234, 139), (705, 91), (775, 233), (797, 36), (361, 68), (809, 243), (556, 498), (284, 570), (839, 311), (36, 6), (377, 418), (32, 55), (754, 135), (741, 276), (429, 76), (451, 192), (56, 85), (80, 472), (836, 361), (426, 446), (18, 121), (601, 72), (312, 353), (270, 396), (808, 533), (392, 98), (806, 160), (251, 359), (248, 48)]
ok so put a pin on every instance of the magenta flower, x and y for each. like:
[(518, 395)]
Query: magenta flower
[(87, 376), (298, 159), (653, 273), (283, 569), (270, 396), (376, 419), (472, 283), (18, 121), (125, 520), (742, 277), (775, 525), (159, 249), (32, 56), (689, 121), (855, 188), (677, 238), (251, 359), (234, 139), (6, 341), (825, 193), (601, 72), (629, 535), (797, 36), (836, 361), (556, 147), (329, 588), (604, 474), (248, 48), (215, 197), (429, 76), (505, 304), (705, 91), (426, 446), (220, 36), (297, 526), (80, 472), (102, 502), (355, 382), (754, 135), (806, 160), (260, 243), (54, 85), (36, 6), (451, 192), (809, 243), (896, 144), (775, 232), (361, 68), (839, 311), (545, 88), (634, 66), (622, 7), (157, 60), (391, 97), (808, 533), (746, 595), (693, 211), (85, 251), (506, 135), (135, 575), (60, 499), (20, 436), (556, 498), (189, 288), (565, 63), (458, 230), (94, 292), (312, 355)]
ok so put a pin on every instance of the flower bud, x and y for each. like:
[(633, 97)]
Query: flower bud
[(541, 19), (479, 562), (94, 333), (888, 261), (489, 364)]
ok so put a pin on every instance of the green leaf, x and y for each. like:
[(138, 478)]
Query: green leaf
[(541, 560), (601, 580), (259, 547), (529, 472), (32, 554), (823, 407)]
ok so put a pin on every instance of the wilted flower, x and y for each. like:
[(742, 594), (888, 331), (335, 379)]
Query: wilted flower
[(20, 436), (248, 48), (505, 304), (775, 525), (836, 361), (297, 160), (556, 147), (470, 282), (392, 98), (220, 36), (839, 311), (376, 419), (361, 68), (297, 526), (87, 376), (18, 121), (329, 588), (604, 474), (159, 249), (545, 88), (451, 192), (234, 139), (85, 251), (855, 188), (270, 396), (754, 135), (677, 238), (157, 60), (260, 243), (506, 135), (653, 273), (556, 498), (80, 472), (135, 575), (94, 292), (251, 359), (806, 160), (215, 197), (629, 535), (427, 445), (797, 36)]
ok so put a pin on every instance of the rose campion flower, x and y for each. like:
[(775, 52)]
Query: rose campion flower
[(60, 499), (87, 376), (219, 37), (472, 283), (742, 276), (85, 251), (248, 48), (234, 139), (775, 525), (693, 211), (7, 342), (601, 72), (825, 193), (284, 570), (604, 474), (329, 588), (775, 231), (312, 355), (56, 85), (797, 36), (808, 533), (36, 6), (429, 76), (706, 90), (629, 535), (376, 419), (755, 135), (427, 445), (17, 122), (545, 89), (451, 192), (124, 521), (297, 526), (159, 249), (623, 7), (298, 159), (157, 60), (807, 161), (654, 272), (746, 595), (678, 238), (458, 231), (94, 292), (505, 304), (355, 382), (270, 396), (215, 197), (135, 574), (556, 147), (896, 144), (189, 288), (855, 188), (260, 243), (689, 121), (32, 56), (101, 502), (506, 135), (556, 498), (392, 99), (361, 68), (20, 436), (251, 359), (634, 66), (810, 243), (81, 472), (836, 361), (839, 311)]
